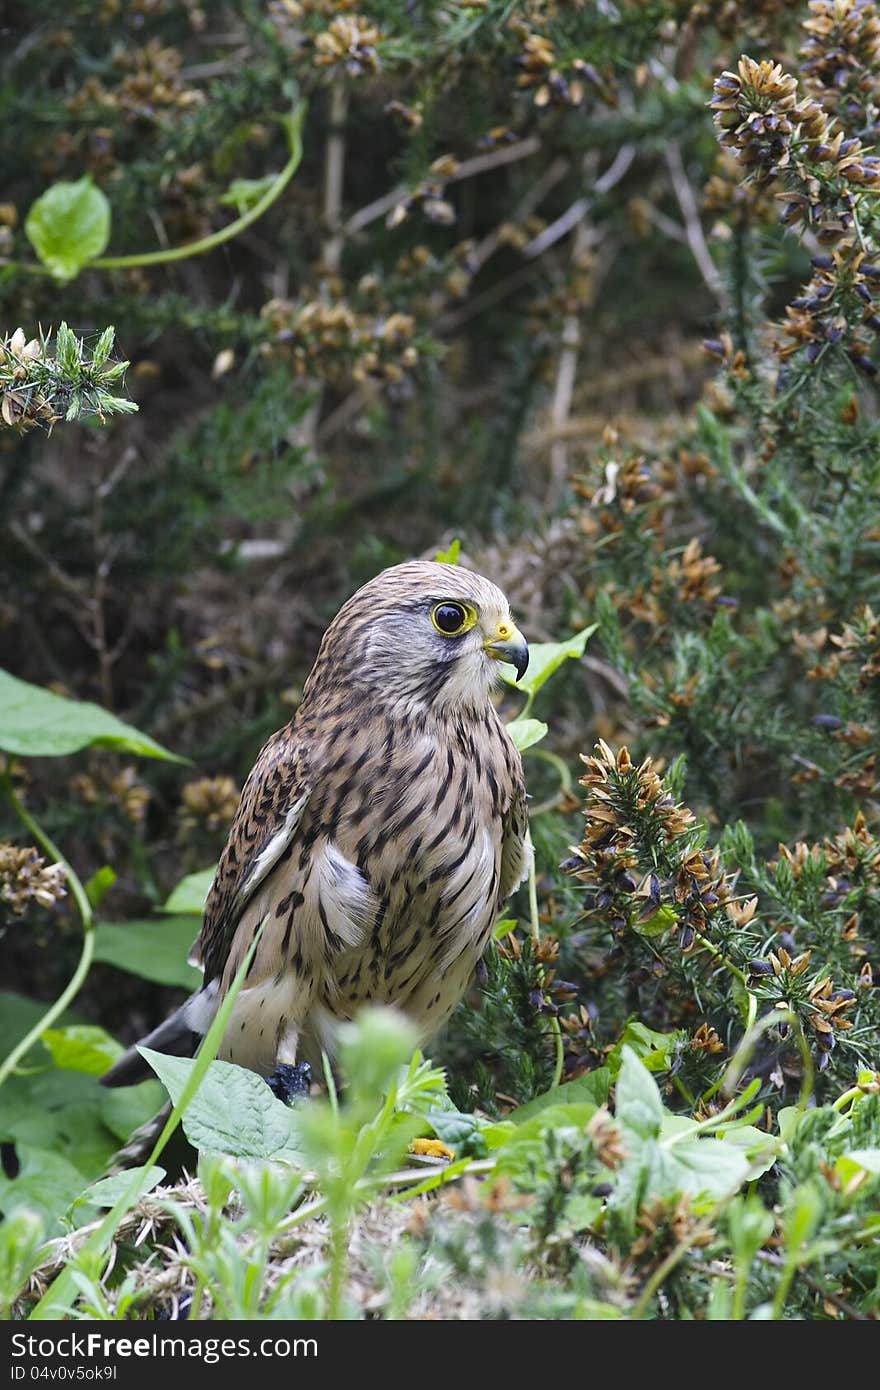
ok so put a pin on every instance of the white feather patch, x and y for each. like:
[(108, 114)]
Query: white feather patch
[(348, 902), (272, 850)]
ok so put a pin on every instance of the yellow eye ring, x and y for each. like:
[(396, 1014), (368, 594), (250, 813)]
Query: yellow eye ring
[(451, 619)]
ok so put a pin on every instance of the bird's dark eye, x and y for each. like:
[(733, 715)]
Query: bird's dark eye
[(450, 618)]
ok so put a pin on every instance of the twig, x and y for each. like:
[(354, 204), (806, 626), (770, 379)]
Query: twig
[(64, 581), (334, 176), (566, 372), (451, 322), (693, 226), (494, 159), (344, 412), (578, 210), (527, 205)]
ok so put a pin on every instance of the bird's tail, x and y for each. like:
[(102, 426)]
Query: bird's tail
[(180, 1035)]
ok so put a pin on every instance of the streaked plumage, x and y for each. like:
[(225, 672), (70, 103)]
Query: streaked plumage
[(378, 834)]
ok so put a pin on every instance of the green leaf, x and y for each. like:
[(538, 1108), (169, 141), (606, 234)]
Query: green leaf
[(152, 949), (450, 556), (68, 226), (190, 893), (526, 732), (21, 1239), (760, 1148), (547, 657), (525, 1148), (37, 723), (592, 1087), (638, 1107), (461, 1131), (99, 884), (82, 1047), (503, 927), (233, 1111), (64, 1113), (107, 1191), (855, 1164), (46, 1183), (662, 920), (243, 194), (655, 1050), (803, 1211), (699, 1167)]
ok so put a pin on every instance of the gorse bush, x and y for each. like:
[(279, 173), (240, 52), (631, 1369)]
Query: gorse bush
[(593, 289)]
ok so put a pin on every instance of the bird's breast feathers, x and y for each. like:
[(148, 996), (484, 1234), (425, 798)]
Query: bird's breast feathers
[(385, 892)]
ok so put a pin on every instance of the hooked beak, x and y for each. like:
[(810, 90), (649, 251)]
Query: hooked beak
[(508, 644)]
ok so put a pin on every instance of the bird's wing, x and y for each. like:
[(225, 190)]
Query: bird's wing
[(516, 845), (272, 803)]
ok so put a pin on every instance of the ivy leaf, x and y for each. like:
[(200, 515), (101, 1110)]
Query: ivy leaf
[(82, 1047), (100, 883), (68, 226), (151, 949), (243, 194), (37, 723), (526, 732), (547, 657), (655, 1050), (190, 893), (233, 1111)]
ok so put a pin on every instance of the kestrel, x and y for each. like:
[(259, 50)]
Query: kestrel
[(378, 833)]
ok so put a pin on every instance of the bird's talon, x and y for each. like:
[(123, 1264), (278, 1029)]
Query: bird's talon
[(290, 1083)]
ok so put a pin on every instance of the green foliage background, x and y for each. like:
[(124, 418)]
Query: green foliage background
[(519, 290)]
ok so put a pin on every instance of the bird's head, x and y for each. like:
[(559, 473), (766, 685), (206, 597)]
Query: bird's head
[(423, 635)]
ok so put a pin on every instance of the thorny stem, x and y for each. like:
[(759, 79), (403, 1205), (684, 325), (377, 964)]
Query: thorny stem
[(720, 957), (85, 911), (555, 1028)]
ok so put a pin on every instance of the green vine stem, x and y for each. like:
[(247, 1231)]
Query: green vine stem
[(563, 772), (749, 1042), (78, 892), (293, 125)]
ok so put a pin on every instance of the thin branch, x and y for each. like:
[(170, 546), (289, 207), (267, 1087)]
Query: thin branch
[(693, 226), (527, 205), (494, 159), (334, 177), (578, 210)]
